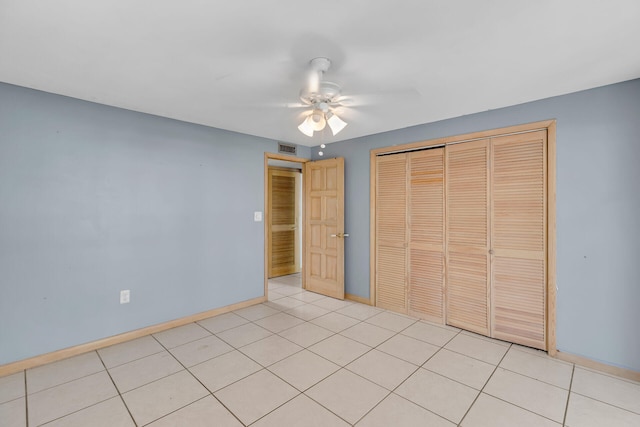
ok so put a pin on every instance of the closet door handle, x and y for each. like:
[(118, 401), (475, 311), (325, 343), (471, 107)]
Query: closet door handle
[(491, 252)]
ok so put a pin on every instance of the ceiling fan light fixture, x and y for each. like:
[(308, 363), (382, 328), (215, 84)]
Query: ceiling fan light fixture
[(336, 124), (317, 120), (306, 127), (322, 96)]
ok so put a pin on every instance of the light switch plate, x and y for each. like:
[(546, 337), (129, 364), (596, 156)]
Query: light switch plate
[(257, 216)]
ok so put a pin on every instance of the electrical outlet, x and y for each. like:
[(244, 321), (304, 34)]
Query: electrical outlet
[(257, 216), (125, 296)]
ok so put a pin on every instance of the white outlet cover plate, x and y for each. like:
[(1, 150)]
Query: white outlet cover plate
[(257, 216), (125, 297)]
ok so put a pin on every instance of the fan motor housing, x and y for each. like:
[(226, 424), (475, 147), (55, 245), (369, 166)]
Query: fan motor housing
[(327, 92)]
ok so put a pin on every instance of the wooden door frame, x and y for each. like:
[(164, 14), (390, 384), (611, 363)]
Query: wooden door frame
[(284, 157), (550, 127)]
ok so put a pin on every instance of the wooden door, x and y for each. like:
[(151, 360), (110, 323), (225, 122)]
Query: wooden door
[(425, 212), (324, 227), (467, 227), (518, 238), (391, 231), (284, 229)]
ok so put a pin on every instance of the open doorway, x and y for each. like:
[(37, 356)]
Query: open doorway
[(284, 223), (322, 229), (284, 234)]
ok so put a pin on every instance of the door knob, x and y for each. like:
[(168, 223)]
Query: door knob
[(491, 252)]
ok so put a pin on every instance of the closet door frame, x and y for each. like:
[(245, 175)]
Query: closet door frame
[(550, 127)]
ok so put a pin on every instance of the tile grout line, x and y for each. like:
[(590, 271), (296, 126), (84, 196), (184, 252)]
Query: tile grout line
[(607, 374), (376, 348), (407, 336), (303, 349), (224, 330), (339, 333), (125, 363), (374, 406), (68, 382), (388, 394), (511, 403), (566, 408), (535, 379), (612, 377), (261, 365), (197, 379), (189, 404), (461, 354), (324, 407), (471, 357), (422, 367), (524, 409), (26, 400), (339, 366), (271, 411), (605, 403), (200, 382), (164, 349), (413, 373), (360, 321), (333, 334), (117, 389), (485, 384), (77, 411), (264, 368), (418, 367)]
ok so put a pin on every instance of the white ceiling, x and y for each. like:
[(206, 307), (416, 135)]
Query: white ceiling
[(237, 64)]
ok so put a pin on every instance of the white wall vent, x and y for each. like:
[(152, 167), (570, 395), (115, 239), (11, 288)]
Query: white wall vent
[(287, 148)]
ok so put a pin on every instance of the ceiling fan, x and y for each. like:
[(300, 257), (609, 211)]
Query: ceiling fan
[(322, 96)]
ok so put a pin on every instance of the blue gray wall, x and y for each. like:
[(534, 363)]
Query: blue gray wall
[(95, 199), (598, 211)]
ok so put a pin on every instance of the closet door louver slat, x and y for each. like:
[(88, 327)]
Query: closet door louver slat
[(391, 227), (519, 238), (467, 225), (426, 234)]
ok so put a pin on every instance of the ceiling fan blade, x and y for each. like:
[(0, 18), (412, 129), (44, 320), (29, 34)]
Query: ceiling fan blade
[(294, 105), (287, 105), (379, 98)]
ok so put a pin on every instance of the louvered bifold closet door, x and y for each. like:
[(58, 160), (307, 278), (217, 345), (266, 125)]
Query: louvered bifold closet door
[(426, 234), (391, 228), (467, 212), (519, 238), (284, 230)]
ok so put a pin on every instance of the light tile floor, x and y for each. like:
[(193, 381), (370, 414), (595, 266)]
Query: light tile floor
[(303, 359)]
